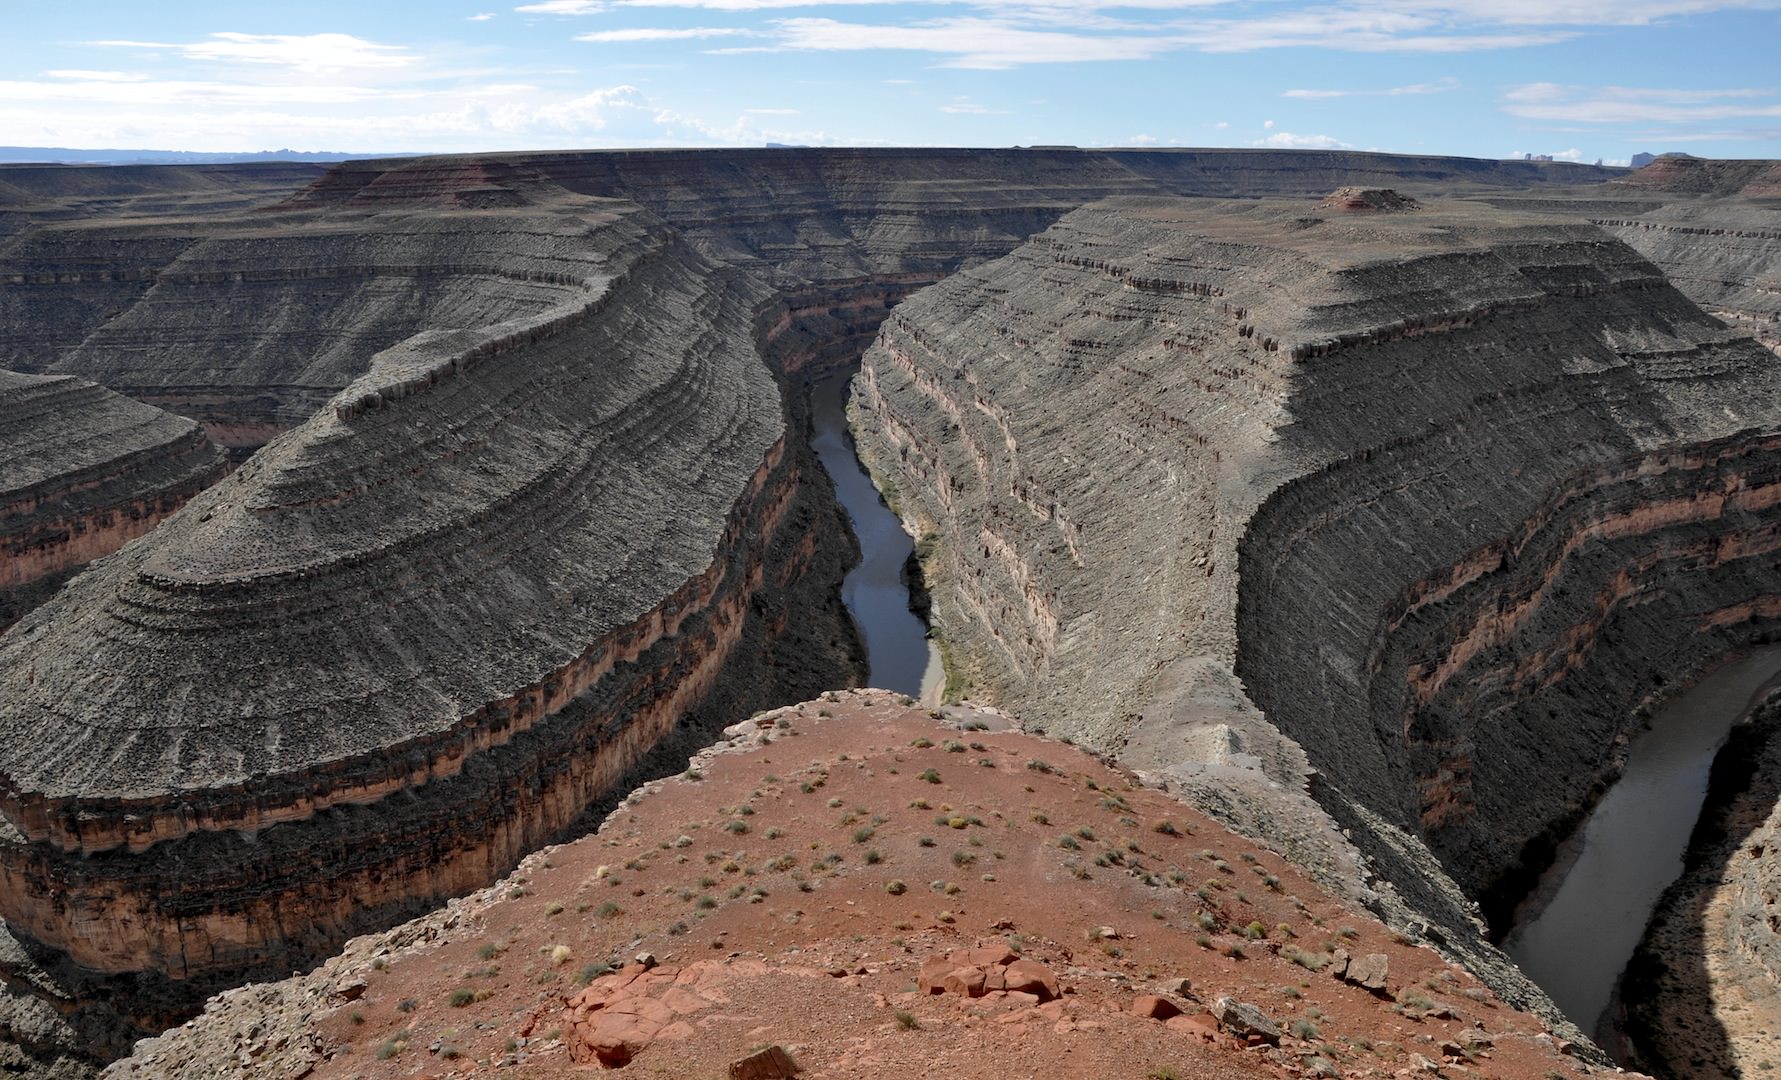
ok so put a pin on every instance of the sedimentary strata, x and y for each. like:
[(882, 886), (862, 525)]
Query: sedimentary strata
[(83, 471), (1401, 502), (250, 322), (419, 635), (530, 496), (1714, 227), (1723, 253)]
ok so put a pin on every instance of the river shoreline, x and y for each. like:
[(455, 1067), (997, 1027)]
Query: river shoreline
[(1587, 915), (899, 655)]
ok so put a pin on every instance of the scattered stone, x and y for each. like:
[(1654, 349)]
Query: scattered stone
[(1155, 1007), (1245, 1021), (773, 1063), (1369, 971)]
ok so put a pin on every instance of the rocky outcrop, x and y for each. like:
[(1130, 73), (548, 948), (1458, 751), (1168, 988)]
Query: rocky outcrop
[(83, 471), (1420, 493), (1368, 200)]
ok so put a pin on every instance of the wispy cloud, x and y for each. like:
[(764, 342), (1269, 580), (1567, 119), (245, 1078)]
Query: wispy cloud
[(650, 33), (96, 76), (562, 7), (480, 17), (1441, 86), (978, 43), (1286, 140), (308, 53), (1624, 104), (967, 107)]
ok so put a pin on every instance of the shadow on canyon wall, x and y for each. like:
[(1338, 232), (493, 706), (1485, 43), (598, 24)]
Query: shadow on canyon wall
[(1673, 1022)]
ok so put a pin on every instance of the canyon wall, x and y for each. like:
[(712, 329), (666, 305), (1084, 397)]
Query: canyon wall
[(422, 633), (250, 321), (1714, 227), (83, 471), (1398, 507), (530, 501)]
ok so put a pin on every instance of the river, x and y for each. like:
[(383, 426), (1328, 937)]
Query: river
[(899, 655), (1613, 869)]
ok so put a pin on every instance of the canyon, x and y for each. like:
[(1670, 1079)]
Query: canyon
[(1328, 515)]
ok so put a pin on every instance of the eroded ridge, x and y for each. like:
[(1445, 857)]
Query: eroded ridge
[(1431, 490), (412, 639), (82, 472)]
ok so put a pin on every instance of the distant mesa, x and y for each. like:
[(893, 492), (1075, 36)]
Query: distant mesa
[(1365, 200)]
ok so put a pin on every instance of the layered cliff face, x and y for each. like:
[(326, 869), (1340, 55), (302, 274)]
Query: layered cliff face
[(250, 322), (419, 635), (83, 471), (537, 502), (34, 194), (1714, 227), (1427, 489), (1722, 253)]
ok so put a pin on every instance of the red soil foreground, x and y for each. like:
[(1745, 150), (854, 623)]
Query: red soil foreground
[(790, 889)]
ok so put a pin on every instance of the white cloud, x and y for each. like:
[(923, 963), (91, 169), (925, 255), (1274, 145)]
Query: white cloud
[(970, 108), (96, 76), (1288, 141), (1222, 124), (646, 33), (1267, 125), (984, 44), (329, 114), (563, 7), (481, 17), (1623, 104), (1142, 140), (307, 53), (1439, 87)]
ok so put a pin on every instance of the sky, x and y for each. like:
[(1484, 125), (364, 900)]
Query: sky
[(1578, 79)]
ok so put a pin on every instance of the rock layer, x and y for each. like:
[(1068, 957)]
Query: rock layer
[(1426, 490), (537, 501), (419, 635), (82, 472)]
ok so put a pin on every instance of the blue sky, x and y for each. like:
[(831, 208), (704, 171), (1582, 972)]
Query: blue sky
[(1579, 79)]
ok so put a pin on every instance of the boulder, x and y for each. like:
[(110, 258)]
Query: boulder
[(773, 1063), (1369, 971), (1031, 977), (1244, 1020), (1155, 1007)]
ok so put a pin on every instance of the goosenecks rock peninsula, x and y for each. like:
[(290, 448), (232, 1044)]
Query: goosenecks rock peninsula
[(373, 538)]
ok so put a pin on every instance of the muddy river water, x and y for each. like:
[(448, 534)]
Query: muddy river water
[(1601, 892), (898, 653)]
